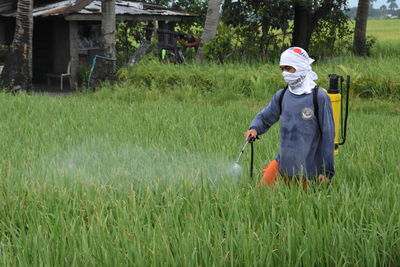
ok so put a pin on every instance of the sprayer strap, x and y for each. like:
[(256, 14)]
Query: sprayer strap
[(316, 107), (281, 96)]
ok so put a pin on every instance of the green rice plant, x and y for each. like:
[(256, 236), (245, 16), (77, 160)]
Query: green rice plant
[(98, 179)]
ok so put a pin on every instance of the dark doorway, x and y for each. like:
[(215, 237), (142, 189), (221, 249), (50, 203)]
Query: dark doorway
[(42, 49)]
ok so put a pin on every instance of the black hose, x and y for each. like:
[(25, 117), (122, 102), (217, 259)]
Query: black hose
[(347, 110), (252, 160)]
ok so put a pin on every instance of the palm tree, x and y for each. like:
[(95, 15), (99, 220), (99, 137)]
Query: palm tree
[(392, 4), (17, 72), (211, 24), (108, 29), (360, 30), (106, 65)]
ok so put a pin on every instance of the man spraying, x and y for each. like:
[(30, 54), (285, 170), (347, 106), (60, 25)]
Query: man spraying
[(307, 128)]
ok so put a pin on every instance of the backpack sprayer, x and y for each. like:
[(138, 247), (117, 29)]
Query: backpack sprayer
[(340, 115), (335, 93)]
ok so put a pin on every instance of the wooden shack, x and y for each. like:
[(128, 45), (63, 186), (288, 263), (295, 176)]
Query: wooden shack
[(67, 32)]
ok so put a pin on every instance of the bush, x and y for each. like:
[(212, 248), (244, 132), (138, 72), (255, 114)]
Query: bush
[(211, 82), (220, 83)]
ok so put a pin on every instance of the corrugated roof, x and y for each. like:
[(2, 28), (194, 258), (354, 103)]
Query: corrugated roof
[(6, 5), (121, 8)]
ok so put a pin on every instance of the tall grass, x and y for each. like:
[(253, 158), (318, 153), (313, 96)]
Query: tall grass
[(93, 180), (371, 77)]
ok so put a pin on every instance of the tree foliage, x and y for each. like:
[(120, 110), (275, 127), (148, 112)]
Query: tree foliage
[(332, 35), (262, 29), (307, 15), (259, 23), (392, 4)]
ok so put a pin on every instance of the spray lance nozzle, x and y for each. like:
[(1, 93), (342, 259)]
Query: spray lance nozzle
[(250, 139), (236, 169)]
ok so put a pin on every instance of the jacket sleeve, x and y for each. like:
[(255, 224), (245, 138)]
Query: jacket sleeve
[(328, 135), (268, 116)]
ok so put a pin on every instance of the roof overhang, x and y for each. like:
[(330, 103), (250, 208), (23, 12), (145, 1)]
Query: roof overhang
[(90, 10)]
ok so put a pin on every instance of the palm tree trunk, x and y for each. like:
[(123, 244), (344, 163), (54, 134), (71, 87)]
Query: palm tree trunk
[(211, 24), (106, 66), (108, 28), (360, 30), (17, 72)]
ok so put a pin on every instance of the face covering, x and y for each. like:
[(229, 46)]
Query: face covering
[(301, 81), (294, 80)]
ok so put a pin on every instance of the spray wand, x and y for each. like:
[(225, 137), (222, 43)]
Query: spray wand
[(236, 169)]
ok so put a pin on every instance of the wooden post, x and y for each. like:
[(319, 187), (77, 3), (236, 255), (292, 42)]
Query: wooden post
[(73, 52)]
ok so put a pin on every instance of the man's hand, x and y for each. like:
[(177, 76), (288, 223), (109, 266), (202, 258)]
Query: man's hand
[(250, 133)]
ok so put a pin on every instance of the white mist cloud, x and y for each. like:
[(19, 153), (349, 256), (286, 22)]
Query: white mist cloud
[(101, 161)]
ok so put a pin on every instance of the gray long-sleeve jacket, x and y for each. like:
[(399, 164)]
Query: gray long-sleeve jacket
[(303, 151)]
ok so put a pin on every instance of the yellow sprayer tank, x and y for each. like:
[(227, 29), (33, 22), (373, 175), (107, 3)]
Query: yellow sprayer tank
[(336, 100), (335, 94)]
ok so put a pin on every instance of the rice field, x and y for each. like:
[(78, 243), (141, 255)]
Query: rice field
[(385, 30), (387, 34), (136, 174), (87, 180)]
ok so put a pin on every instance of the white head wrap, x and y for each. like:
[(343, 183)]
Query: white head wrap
[(303, 78)]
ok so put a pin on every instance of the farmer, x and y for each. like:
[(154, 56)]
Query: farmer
[(307, 128)]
